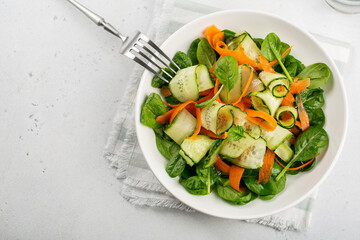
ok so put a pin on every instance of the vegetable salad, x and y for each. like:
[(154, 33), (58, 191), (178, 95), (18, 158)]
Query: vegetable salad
[(239, 115)]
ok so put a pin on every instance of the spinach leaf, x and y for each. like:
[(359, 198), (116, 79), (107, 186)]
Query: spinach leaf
[(207, 175), (312, 99), (319, 74), (205, 53), (167, 147), (272, 187), (228, 35), (272, 48), (308, 145), (182, 60), (235, 133), (227, 71), (152, 108), (172, 100), (158, 82), (316, 117), (293, 66), (226, 192), (194, 185), (304, 169), (258, 42), (189, 171), (193, 51), (175, 166)]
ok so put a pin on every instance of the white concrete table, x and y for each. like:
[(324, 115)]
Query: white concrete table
[(61, 79)]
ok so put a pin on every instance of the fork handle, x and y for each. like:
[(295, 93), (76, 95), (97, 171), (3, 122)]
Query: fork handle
[(98, 20)]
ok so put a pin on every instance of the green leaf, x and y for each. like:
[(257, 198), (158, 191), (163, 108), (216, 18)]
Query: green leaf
[(194, 185), (207, 175), (319, 74), (272, 187), (158, 82), (192, 52), (271, 47), (316, 117), (309, 143), (172, 100), (312, 99), (182, 60), (226, 192), (175, 166), (227, 71), (205, 53), (167, 147), (228, 35), (258, 42), (236, 133), (293, 66), (152, 108)]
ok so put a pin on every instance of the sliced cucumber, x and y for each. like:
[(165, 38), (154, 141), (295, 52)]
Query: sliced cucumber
[(203, 78), (217, 117), (233, 149), (277, 83), (184, 85), (213, 152), (240, 120), (275, 138), (182, 127), (245, 41), (253, 156), (288, 120), (256, 85), (197, 147), (187, 159), (235, 93), (284, 152), (265, 101)]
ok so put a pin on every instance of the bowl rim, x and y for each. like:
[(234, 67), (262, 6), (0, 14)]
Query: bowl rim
[(336, 75)]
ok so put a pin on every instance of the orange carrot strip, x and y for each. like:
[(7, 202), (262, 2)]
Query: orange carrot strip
[(235, 175), (245, 89), (165, 91), (299, 167), (288, 100), (286, 51), (265, 65), (223, 167), (254, 120), (211, 134), (245, 103), (303, 116), (265, 171), (298, 124), (210, 32), (299, 86), (191, 109), (162, 119), (170, 105), (269, 124), (179, 108), (198, 124), (217, 37)]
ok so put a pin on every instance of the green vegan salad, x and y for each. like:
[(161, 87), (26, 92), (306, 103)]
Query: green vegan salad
[(239, 115)]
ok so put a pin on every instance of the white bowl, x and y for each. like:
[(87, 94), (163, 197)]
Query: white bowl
[(307, 50)]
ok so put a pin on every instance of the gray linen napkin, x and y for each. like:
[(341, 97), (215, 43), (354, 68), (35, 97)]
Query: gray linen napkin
[(139, 185)]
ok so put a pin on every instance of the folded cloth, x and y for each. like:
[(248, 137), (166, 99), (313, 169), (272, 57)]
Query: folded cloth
[(139, 185)]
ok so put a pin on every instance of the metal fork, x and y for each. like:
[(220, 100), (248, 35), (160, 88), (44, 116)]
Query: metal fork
[(137, 47)]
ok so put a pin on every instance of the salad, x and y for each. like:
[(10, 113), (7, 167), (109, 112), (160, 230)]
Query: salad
[(240, 115)]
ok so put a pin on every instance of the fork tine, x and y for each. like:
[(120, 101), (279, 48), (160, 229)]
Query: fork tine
[(153, 45), (142, 63), (152, 62), (159, 59)]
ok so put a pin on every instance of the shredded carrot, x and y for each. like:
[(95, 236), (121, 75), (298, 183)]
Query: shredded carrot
[(223, 167), (171, 105), (288, 100), (207, 97), (206, 92), (191, 109), (265, 65), (298, 124), (245, 103), (211, 134), (162, 119), (299, 167), (235, 175), (165, 91), (217, 37), (245, 89), (179, 108), (239, 55), (210, 32), (303, 116), (266, 169), (299, 86), (255, 120), (198, 124), (269, 123)]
